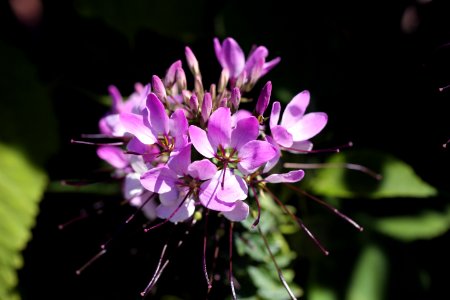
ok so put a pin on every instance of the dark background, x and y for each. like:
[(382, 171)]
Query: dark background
[(374, 72)]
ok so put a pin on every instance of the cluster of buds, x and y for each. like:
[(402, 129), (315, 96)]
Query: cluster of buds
[(185, 152)]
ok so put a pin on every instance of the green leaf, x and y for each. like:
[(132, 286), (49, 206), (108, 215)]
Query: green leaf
[(398, 178), (369, 277), (21, 188), (426, 225), (318, 292)]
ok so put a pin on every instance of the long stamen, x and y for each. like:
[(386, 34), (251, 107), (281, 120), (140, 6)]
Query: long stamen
[(161, 266), (96, 144), (83, 215), (280, 273), (216, 253), (333, 209), (230, 239), (334, 149), (91, 261), (255, 195), (444, 88), (130, 218), (158, 271), (349, 166), (299, 222), (205, 240), (171, 215), (445, 144)]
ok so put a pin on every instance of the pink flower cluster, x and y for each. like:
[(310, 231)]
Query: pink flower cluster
[(196, 149)]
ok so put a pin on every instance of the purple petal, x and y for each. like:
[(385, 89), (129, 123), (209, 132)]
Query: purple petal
[(185, 211), (180, 160), (191, 60), (202, 169), (206, 107), (169, 198), (235, 97), (292, 176), (310, 125), (159, 180), (219, 127), (116, 97), (282, 136), (239, 213), (113, 155), (136, 146), (254, 154), (246, 130), (178, 128), (295, 109), (255, 58), (155, 116), (216, 197), (272, 162), (132, 186), (275, 114), (200, 141), (133, 124), (207, 195), (263, 99), (233, 57), (302, 145), (269, 66), (239, 115), (218, 51), (158, 88), (234, 188), (170, 77)]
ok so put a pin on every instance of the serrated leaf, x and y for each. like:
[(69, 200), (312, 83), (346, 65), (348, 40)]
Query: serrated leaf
[(21, 184), (369, 277), (426, 225), (398, 178)]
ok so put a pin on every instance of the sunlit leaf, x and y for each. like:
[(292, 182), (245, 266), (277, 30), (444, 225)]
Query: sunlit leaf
[(426, 225), (21, 188), (369, 276), (398, 178)]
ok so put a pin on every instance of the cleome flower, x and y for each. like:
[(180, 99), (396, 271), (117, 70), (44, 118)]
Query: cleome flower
[(186, 153)]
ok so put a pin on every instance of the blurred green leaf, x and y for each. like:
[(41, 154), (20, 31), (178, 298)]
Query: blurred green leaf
[(398, 178), (369, 277), (318, 292), (28, 137), (426, 225), (129, 17), (21, 188)]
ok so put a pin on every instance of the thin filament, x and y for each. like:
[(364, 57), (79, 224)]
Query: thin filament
[(230, 237), (256, 222), (333, 209), (349, 166), (299, 222), (171, 215), (280, 273)]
